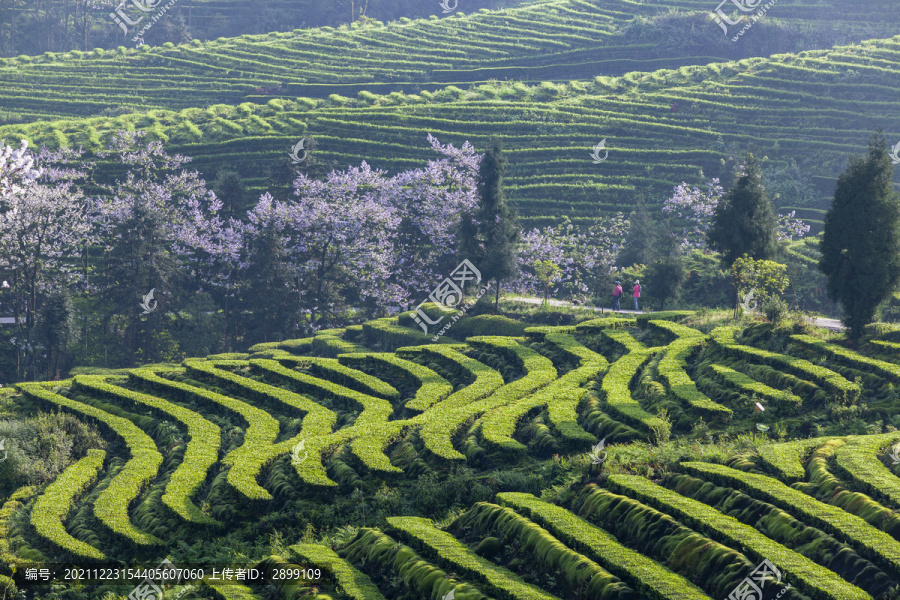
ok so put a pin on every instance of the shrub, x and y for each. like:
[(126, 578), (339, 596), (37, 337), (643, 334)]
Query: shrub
[(55, 503), (500, 582), (811, 579), (353, 582), (111, 506)]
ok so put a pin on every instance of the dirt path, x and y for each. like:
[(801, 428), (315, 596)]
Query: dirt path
[(833, 324)]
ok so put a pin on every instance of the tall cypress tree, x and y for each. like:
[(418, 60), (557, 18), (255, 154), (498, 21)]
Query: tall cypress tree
[(642, 232), (744, 221), (861, 241), (488, 237)]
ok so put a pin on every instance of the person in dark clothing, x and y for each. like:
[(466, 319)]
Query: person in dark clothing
[(617, 294)]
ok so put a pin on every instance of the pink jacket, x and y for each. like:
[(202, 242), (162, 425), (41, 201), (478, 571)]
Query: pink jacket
[(618, 291), (637, 290)]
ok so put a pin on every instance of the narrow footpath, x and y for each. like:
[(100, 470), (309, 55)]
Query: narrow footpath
[(832, 324)]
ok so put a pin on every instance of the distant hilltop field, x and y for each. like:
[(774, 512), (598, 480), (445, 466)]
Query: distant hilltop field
[(669, 93)]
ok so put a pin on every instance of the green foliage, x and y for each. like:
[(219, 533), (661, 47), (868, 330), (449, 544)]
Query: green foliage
[(672, 372), (202, 449), (842, 355), (262, 429), (861, 241), (390, 336), (111, 507), (488, 234), (578, 571), (857, 461), (55, 503), (644, 575), (488, 325), (765, 279), (845, 390), (744, 220), (448, 550), (353, 583), (811, 579), (784, 403), (615, 391), (40, 447), (548, 273), (430, 388), (668, 315), (664, 278), (875, 545)]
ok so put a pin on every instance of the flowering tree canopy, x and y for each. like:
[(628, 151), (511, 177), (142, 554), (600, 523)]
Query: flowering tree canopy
[(584, 256), (692, 210), (16, 167)]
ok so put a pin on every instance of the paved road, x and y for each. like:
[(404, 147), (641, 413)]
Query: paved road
[(833, 324)]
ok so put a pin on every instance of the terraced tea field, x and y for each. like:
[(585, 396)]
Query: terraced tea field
[(661, 127), (555, 40), (218, 445)]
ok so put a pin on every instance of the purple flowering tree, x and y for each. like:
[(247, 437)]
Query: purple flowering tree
[(585, 256), (17, 169), (691, 212), (788, 227), (159, 229), (359, 237), (43, 225)]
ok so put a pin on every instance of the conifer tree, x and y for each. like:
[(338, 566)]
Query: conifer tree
[(744, 221), (488, 237), (861, 241), (639, 239)]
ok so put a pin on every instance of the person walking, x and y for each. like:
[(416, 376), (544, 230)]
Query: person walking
[(636, 293), (617, 294)]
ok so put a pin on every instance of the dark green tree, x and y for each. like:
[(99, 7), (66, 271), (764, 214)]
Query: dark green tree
[(744, 221), (861, 241), (639, 239), (230, 189), (666, 273), (57, 328), (140, 259), (489, 233)]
